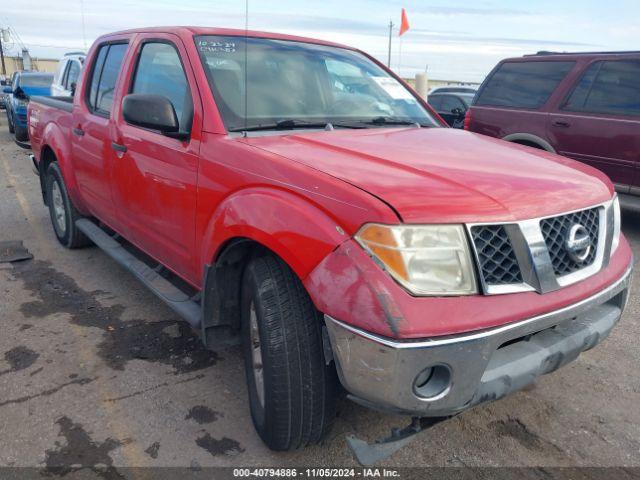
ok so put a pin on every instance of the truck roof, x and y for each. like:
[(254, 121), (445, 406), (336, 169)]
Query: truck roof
[(235, 32)]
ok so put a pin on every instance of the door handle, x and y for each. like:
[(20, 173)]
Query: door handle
[(78, 131), (118, 148), (560, 123)]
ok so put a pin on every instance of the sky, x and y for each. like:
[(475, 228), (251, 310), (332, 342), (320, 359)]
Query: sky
[(453, 40)]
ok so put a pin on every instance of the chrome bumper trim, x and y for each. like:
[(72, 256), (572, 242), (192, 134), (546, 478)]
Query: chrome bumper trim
[(380, 372)]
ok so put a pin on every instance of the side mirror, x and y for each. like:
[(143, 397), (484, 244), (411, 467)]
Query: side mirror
[(19, 93), (150, 111), (7, 90)]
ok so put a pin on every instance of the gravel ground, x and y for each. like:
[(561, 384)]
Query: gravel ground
[(95, 371)]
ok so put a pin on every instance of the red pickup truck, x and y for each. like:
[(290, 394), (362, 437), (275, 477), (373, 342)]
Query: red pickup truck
[(297, 197)]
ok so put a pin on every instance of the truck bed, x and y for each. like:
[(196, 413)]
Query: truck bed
[(63, 103)]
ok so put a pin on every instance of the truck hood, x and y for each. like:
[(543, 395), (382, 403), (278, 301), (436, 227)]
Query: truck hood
[(445, 175)]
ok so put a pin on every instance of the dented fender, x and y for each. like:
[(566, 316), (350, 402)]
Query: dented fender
[(350, 286), (299, 232)]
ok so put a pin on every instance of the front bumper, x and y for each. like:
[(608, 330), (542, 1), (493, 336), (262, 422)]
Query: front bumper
[(471, 368)]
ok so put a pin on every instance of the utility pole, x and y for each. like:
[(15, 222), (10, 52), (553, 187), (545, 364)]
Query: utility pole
[(4, 69), (390, 34)]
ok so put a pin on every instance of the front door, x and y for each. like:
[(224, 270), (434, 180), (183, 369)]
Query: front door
[(156, 183), (599, 122)]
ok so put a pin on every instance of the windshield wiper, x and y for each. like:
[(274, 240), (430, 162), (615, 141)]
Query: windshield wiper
[(382, 121), (291, 124)]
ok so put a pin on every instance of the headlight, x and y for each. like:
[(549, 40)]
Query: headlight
[(616, 224), (425, 259)]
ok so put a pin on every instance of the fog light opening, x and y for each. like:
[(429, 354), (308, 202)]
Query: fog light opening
[(433, 382)]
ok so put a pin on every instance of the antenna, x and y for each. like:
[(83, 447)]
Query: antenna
[(246, 64), (84, 33)]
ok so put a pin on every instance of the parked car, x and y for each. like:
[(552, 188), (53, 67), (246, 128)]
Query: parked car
[(6, 96), (470, 90), (585, 106), (330, 230), (67, 73), (3, 99), (23, 86), (452, 107)]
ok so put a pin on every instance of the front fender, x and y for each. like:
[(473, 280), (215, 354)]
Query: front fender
[(300, 232)]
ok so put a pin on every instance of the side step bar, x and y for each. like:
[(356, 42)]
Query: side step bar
[(175, 298)]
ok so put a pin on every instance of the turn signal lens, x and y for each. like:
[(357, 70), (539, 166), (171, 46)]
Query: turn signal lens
[(425, 259), (382, 243), (616, 225)]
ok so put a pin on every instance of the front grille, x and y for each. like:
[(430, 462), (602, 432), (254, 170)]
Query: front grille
[(498, 263), (555, 230)]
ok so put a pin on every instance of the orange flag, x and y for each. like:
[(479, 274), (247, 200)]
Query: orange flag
[(404, 23)]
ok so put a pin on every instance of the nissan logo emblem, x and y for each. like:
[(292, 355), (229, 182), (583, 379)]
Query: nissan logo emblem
[(578, 243)]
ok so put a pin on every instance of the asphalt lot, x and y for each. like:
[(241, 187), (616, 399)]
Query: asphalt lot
[(95, 370)]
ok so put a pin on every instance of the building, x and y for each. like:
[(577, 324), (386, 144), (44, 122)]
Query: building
[(13, 64), (435, 83)]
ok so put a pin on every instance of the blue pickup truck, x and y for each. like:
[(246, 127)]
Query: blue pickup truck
[(24, 85)]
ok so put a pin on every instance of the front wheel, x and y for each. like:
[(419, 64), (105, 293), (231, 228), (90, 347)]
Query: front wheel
[(22, 134), (63, 213), (291, 388), (11, 130)]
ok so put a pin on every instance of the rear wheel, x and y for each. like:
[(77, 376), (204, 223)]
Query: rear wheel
[(291, 388), (63, 213)]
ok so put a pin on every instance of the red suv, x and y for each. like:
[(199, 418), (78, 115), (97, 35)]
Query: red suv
[(582, 105)]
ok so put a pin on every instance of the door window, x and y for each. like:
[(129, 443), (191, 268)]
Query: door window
[(71, 77), (435, 101), (609, 87), (523, 84), (104, 77), (450, 103), (65, 73), (160, 72)]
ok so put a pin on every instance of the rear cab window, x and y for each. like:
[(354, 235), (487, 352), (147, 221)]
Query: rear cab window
[(610, 87), (524, 84)]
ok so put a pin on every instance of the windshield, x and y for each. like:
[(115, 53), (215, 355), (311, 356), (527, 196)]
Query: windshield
[(293, 83), (35, 81)]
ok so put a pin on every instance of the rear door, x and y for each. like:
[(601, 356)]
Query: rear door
[(156, 174), (91, 145), (598, 122), (513, 101)]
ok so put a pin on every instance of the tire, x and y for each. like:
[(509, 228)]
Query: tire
[(22, 134), (297, 404), (62, 212), (11, 130)]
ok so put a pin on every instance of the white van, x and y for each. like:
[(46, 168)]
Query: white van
[(66, 77)]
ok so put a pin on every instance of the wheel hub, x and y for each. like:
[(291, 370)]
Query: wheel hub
[(256, 353), (59, 212)]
